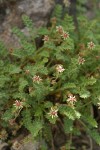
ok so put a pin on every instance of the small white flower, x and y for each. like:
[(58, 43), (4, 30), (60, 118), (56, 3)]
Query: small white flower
[(91, 45), (59, 68), (12, 121), (53, 112), (27, 71), (18, 104), (65, 35), (37, 79), (81, 60), (30, 89), (71, 100), (16, 145), (53, 82), (67, 3), (46, 38), (99, 105), (59, 29)]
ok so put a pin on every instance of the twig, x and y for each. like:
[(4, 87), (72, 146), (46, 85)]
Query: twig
[(52, 141), (91, 143)]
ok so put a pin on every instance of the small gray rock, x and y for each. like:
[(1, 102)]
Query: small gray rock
[(4, 146), (25, 146)]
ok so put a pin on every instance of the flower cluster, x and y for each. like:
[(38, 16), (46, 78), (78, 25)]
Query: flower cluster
[(67, 3), (12, 122), (18, 104), (36, 79), (59, 68), (65, 35), (46, 38), (27, 71), (53, 112), (91, 45), (71, 100), (81, 60), (60, 30)]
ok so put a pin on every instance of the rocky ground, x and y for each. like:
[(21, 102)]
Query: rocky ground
[(11, 12)]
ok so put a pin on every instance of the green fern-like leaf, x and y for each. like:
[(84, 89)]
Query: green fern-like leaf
[(47, 132), (84, 93), (22, 84), (27, 22), (8, 115), (58, 13), (68, 125), (14, 69), (90, 120), (3, 50), (18, 33), (33, 126), (70, 112), (67, 23), (95, 135)]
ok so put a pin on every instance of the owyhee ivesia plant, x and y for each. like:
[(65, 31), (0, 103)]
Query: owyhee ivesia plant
[(57, 83)]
